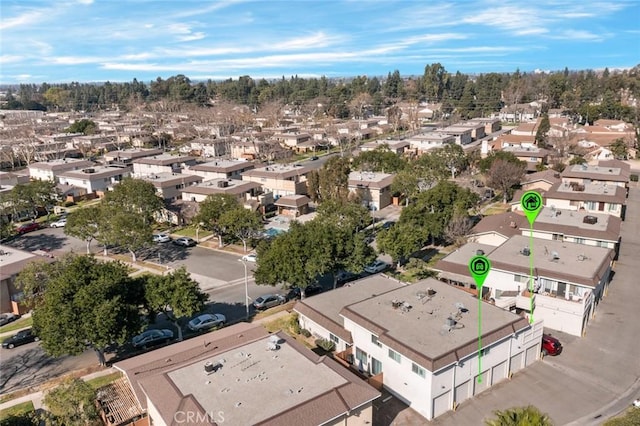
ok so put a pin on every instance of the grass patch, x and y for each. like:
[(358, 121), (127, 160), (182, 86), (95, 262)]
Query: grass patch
[(101, 381), (191, 232), (496, 209), (281, 323), (272, 311), (17, 324), (17, 410)]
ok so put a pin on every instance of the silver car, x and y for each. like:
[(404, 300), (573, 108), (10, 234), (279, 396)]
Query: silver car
[(269, 301), (206, 321)]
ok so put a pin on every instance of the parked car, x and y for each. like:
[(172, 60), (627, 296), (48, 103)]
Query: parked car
[(206, 321), (313, 158), (375, 267), (60, 223), (251, 257), (551, 345), (7, 318), (152, 338), (346, 276), (388, 224), (185, 242), (22, 337), (295, 293), (28, 227), (269, 301), (161, 238)]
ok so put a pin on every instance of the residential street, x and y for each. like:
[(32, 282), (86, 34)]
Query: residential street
[(595, 377)]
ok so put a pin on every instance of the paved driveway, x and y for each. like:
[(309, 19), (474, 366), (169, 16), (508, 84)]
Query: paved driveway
[(597, 376)]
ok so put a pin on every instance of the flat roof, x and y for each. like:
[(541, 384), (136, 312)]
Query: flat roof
[(12, 260), (324, 308), (97, 172), (370, 179), (158, 179), (251, 383), (412, 320), (603, 171), (575, 263), (233, 186), (592, 192), (223, 166), (279, 171), (163, 159), (574, 219)]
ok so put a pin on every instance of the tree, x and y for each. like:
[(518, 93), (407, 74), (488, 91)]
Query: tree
[(72, 403), (504, 175), (136, 196), (486, 163), (380, 159), (400, 241), (405, 183), (126, 229), (457, 229), (211, 211), (619, 149), (84, 126), (84, 224), (86, 303), (542, 133), (333, 179), (242, 223), (520, 416), (35, 195), (176, 295)]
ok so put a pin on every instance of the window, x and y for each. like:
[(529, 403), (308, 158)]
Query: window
[(334, 338), (603, 244), (394, 355), (418, 370), (521, 278), (361, 356), (375, 341), (591, 205), (580, 240), (612, 207)]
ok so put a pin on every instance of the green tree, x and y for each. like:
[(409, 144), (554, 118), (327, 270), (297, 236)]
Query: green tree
[(126, 229), (380, 159), (86, 302), (241, 223), (84, 224), (72, 403), (542, 134), (136, 196), (400, 242), (405, 183), (212, 210), (176, 295), (84, 126), (578, 159), (520, 416), (333, 179), (619, 149), (32, 196), (486, 163)]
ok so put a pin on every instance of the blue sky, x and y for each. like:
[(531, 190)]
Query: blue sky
[(118, 40)]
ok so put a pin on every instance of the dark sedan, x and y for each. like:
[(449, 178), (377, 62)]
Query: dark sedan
[(152, 338), (21, 338)]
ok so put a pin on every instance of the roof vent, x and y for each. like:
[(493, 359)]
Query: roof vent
[(582, 257), (555, 255), (591, 220), (479, 252), (461, 308), (525, 251), (512, 224)]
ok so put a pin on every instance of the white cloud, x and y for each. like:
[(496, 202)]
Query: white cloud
[(6, 59), (317, 40), (26, 19), (579, 35), (192, 36), (85, 1)]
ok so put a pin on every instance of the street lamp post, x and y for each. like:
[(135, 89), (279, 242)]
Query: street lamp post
[(246, 289)]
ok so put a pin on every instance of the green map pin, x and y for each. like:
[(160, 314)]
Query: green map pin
[(531, 203), (479, 266)]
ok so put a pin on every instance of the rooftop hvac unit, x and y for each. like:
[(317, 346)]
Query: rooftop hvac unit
[(555, 255), (479, 252), (591, 220), (223, 184), (525, 251)]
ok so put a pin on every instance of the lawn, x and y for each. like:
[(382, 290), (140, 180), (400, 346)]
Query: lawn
[(191, 232), (17, 324), (496, 208), (17, 410), (101, 381)]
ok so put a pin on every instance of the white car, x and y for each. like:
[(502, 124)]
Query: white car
[(375, 267), (59, 223), (252, 257), (161, 238), (206, 321)]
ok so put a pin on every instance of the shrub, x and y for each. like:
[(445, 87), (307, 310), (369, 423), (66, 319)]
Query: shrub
[(294, 325), (325, 344), (305, 332)]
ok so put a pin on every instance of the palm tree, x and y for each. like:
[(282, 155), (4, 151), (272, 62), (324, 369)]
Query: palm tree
[(520, 416)]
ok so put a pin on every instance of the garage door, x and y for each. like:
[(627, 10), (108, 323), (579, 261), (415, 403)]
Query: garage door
[(532, 355), (479, 386), (441, 404), (499, 372), (463, 392), (516, 362)]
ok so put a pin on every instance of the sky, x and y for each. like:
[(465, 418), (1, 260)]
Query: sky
[(119, 40)]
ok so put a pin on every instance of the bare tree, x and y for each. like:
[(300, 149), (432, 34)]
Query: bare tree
[(504, 175), (457, 230)]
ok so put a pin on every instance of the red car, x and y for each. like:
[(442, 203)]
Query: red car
[(550, 345), (28, 227)]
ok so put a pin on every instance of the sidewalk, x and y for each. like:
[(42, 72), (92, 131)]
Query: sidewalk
[(37, 397)]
